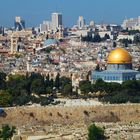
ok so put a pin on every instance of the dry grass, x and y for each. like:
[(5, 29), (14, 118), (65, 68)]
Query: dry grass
[(68, 115)]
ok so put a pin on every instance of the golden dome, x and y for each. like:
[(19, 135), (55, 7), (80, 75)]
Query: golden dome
[(119, 56)]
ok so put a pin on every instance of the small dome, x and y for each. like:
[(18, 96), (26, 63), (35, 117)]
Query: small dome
[(119, 56), (50, 42)]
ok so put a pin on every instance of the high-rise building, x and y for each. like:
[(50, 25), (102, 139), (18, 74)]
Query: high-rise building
[(131, 23), (19, 24), (43, 28), (46, 27), (56, 21), (2, 30), (48, 24), (81, 22)]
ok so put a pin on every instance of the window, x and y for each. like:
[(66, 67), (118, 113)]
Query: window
[(118, 78), (107, 78)]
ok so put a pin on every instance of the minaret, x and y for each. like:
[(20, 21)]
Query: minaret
[(29, 64), (60, 35)]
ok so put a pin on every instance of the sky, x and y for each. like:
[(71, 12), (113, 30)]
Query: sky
[(35, 11)]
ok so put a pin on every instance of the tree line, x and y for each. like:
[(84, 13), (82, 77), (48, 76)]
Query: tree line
[(95, 38), (20, 90), (128, 91)]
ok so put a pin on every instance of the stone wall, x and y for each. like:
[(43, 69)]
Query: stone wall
[(30, 116)]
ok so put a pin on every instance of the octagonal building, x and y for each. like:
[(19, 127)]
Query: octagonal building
[(119, 68)]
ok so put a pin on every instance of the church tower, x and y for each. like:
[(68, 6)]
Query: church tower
[(14, 43)]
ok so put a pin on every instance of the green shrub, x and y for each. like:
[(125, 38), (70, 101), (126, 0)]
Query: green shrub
[(95, 133), (7, 132)]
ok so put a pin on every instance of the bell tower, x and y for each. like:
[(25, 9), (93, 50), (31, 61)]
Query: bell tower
[(14, 43)]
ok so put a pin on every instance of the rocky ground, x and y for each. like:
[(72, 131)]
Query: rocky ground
[(113, 131), (122, 131), (70, 121)]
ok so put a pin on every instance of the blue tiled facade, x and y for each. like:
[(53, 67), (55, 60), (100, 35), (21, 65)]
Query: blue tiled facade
[(116, 73)]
